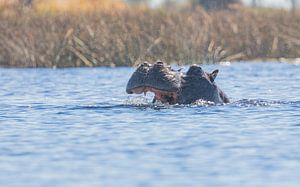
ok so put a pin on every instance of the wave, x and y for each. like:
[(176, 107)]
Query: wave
[(261, 102), (144, 103)]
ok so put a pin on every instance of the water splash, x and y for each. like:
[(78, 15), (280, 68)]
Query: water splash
[(144, 102), (138, 101)]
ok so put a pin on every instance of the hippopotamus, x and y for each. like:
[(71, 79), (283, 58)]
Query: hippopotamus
[(174, 87)]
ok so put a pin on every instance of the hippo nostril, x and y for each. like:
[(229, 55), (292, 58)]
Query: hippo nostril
[(146, 64), (159, 63)]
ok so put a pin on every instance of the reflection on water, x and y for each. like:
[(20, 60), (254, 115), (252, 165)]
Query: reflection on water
[(78, 127)]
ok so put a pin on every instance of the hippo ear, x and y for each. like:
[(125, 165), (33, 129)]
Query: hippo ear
[(213, 75)]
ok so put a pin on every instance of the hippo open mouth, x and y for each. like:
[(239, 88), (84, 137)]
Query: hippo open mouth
[(160, 95), (157, 78), (170, 86)]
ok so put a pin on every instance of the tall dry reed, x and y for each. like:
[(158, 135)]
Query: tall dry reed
[(124, 37)]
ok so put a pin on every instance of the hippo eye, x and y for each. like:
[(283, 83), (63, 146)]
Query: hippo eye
[(195, 71)]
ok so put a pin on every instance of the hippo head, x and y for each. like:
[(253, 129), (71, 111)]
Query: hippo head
[(197, 84), (157, 78), (173, 87)]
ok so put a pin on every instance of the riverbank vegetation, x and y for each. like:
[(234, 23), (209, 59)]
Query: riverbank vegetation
[(99, 33)]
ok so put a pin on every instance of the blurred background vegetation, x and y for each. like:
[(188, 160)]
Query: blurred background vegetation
[(73, 33)]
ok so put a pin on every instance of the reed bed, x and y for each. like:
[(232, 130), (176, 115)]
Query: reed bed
[(125, 36)]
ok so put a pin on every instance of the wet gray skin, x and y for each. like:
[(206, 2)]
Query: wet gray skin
[(170, 86)]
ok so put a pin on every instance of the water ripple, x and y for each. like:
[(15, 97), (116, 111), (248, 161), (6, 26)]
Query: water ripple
[(78, 127)]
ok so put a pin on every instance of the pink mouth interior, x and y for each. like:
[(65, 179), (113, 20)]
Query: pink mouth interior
[(160, 95)]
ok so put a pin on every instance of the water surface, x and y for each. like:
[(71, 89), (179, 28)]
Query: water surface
[(78, 127)]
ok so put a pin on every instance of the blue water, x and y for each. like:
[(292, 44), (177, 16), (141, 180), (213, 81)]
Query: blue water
[(78, 127)]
